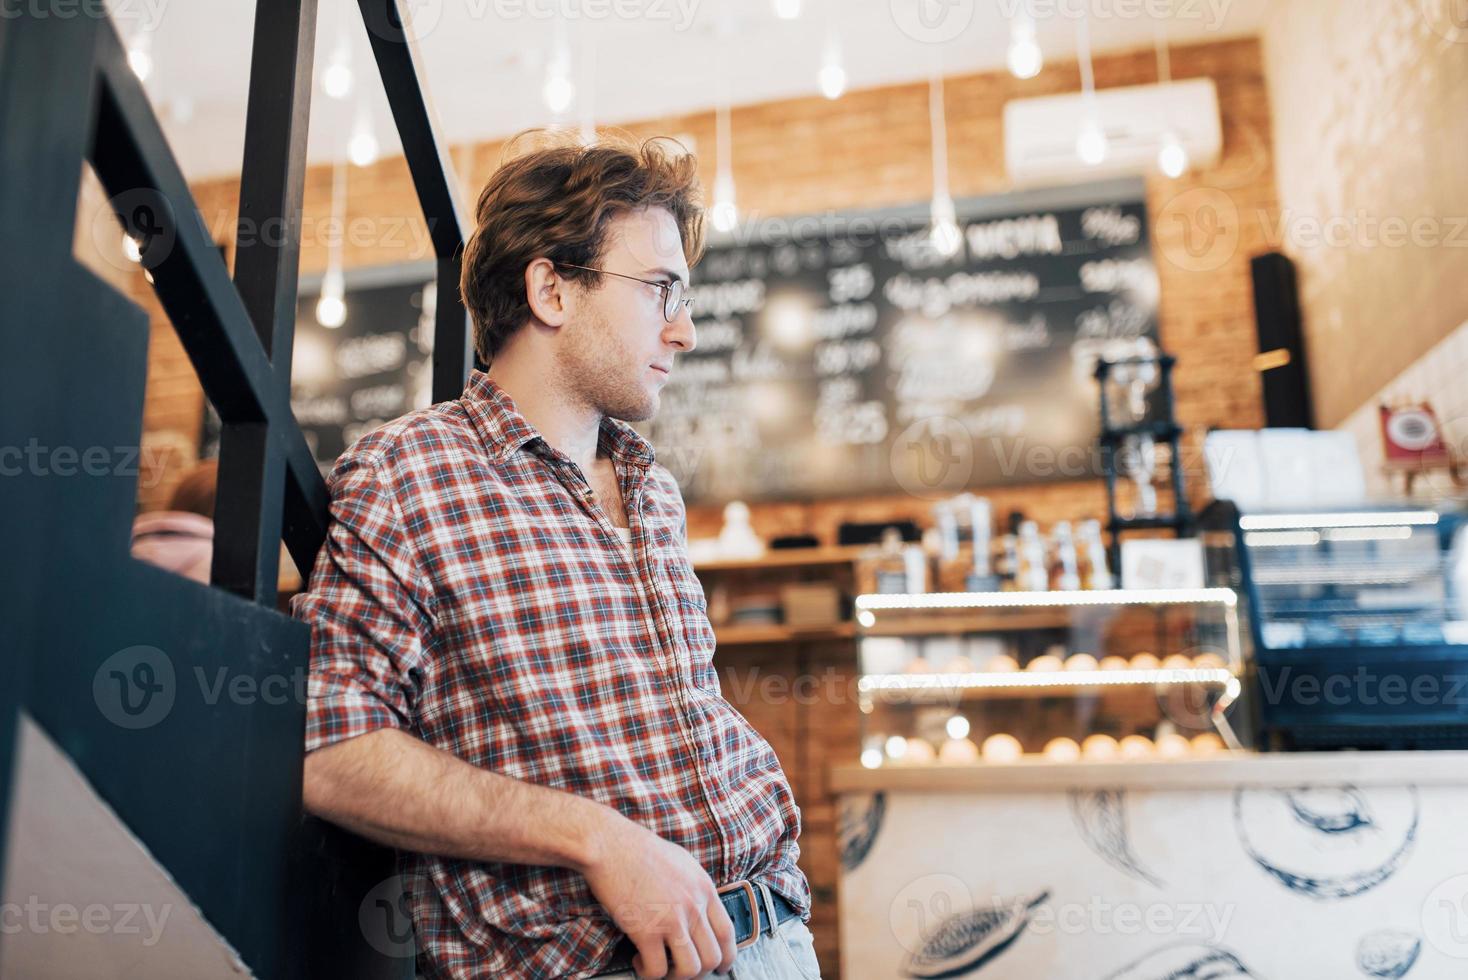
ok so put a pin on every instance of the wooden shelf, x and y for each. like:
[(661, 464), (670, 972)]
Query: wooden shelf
[(973, 621), (739, 635), (785, 558)]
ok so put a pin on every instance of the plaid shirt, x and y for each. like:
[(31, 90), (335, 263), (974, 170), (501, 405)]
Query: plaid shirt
[(472, 592)]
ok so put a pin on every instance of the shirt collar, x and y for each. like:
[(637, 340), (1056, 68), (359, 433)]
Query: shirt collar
[(505, 431)]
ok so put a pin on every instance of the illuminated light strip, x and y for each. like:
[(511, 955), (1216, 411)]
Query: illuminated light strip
[(1280, 539), (876, 683), (1002, 600), (1368, 534), (1287, 522)]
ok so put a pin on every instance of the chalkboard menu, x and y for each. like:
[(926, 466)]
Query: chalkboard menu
[(844, 355), (348, 380)]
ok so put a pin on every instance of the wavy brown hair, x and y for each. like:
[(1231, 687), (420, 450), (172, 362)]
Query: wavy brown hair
[(556, 203)]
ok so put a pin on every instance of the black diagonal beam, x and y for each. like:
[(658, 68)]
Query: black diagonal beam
[(398, 63), (248, 508), (135, 164)]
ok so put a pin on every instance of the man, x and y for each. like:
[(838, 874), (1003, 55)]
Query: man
[(510, 671)]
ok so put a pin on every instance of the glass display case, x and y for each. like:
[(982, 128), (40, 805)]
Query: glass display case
[(1014, 677), (1358, 620)]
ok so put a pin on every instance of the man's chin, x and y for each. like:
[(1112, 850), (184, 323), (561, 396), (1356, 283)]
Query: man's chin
[(639, 411)]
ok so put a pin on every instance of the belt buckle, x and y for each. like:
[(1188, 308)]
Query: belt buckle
[(755, 931)]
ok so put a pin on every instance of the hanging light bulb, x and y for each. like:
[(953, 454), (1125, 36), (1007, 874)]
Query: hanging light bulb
[(139, 56), (944, 233), (724, 215), (1091, 145), (832, 76), (1173, 158), (337, 79), (331, 308), (787, 9), (1091, 141), (1025, 57), (362, 149), (132, 248), (559, 90)]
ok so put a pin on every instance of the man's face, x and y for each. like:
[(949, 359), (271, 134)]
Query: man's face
[(618, 348)]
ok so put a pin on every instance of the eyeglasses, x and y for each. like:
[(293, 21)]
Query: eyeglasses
[(674, 301)]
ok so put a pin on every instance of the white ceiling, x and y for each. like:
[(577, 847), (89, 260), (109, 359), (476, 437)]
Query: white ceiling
[(486, 60)]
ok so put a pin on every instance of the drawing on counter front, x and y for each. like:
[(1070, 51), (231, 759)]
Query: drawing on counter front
[(1186, 961), (857, 823), (1100, 816), (1388, 953), (968, 941), (1328, 842)]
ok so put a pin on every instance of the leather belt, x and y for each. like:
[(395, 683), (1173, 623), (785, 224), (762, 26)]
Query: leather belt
[(742, 900)]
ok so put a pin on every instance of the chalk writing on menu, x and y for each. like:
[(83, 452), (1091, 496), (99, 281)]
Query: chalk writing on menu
[(347, 381), (844, 355)]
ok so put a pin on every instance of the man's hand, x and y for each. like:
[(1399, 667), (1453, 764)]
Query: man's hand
[(661, 898)]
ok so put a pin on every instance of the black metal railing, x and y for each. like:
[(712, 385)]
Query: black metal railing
[(96, 643)]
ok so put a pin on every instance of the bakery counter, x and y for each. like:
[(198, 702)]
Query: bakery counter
[(1302, 865)]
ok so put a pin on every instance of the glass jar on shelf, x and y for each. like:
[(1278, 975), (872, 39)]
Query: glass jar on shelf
[(1081, 676)]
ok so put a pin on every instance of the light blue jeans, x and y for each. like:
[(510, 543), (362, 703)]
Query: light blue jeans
[(787, 954)]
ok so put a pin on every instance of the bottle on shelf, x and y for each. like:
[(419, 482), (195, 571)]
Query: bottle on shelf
[(948, 562), (1091, 555), (981, 577), (1064, 571), (1033, 574), (1009, 563), (888, 565)]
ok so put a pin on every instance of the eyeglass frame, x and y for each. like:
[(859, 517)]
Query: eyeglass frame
[(670, 289)]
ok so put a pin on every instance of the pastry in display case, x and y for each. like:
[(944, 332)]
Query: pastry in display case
[(999, 678), (1358, 622)]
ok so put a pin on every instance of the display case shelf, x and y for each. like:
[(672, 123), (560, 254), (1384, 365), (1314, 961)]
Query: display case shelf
[(1034, 668)]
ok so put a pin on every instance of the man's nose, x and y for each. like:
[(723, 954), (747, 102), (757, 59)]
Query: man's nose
[(681, 333)]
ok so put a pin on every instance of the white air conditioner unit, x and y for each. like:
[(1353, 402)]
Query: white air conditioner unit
[(1040, 135)]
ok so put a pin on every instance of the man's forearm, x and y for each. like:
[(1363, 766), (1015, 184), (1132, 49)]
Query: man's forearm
[(393, 788)]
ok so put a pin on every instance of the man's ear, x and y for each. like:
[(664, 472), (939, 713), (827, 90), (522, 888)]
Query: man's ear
[(546, 290)]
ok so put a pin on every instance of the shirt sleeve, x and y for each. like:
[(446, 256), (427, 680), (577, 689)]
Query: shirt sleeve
[(369, 614)]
